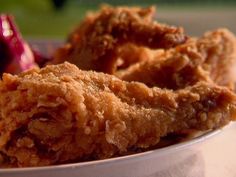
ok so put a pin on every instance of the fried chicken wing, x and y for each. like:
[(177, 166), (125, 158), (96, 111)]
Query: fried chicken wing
[(62, 114), (211, 57), (95, 44)]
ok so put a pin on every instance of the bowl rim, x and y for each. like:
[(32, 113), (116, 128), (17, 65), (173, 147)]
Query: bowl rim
[(142, 155)]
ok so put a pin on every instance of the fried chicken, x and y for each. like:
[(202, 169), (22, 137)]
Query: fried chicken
[(219, 50), (62, 114), (211, 57), (120, 40), (95, 44)]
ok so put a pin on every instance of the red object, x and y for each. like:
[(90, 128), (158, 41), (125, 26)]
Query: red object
[(15, 54)]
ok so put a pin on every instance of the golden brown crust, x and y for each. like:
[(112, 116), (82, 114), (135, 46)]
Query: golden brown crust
[(107, 41), (94, 44), (211, 57), (219, 49), (62, 114)]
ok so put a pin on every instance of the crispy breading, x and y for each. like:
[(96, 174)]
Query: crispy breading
[(107, 41), (95, 44), (218, 47), (62, 114), (211, 57)]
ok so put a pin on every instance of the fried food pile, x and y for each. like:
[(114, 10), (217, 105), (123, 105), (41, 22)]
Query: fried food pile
[(146, 81), (129, 44)]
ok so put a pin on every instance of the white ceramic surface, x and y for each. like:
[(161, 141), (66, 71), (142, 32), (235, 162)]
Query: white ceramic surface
[(136, 165)]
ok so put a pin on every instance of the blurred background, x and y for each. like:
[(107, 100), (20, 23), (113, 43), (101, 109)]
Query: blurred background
[(54, 19)]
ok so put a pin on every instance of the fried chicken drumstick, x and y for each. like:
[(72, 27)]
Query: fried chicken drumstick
[(95, 44), (62, 114)]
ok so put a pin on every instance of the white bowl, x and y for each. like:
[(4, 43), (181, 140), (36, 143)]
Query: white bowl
[(136, 165)]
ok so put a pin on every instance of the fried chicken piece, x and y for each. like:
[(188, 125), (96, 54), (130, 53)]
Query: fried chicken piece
[(211, 57), (219, 50), (95, 44), (62, 114)]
